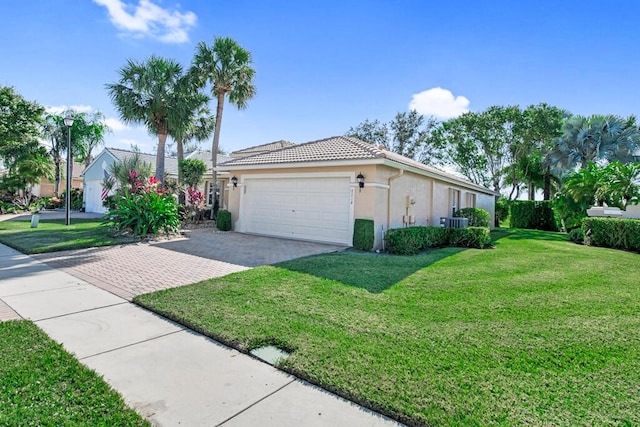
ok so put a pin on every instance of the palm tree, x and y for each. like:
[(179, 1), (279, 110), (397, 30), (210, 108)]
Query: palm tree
[(227, 67), (623, 183), (94, 135), (196, 126), (151, 93), (592, 139), (53, 129)]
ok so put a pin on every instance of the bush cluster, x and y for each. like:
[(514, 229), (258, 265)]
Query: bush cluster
[(363, 234), (75, 197), (411, 240), (147, 210), (502, 209), (532, 214), (477, 217), (223, 220), (576, 235), (612, 233)]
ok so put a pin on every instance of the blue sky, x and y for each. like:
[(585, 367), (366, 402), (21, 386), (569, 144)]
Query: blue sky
[(323, 67)]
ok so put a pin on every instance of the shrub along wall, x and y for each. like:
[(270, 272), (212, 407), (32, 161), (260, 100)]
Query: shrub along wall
[(532, 214), (363, 234), (477, 217), (223, 220), (612, 233), (411, 240)]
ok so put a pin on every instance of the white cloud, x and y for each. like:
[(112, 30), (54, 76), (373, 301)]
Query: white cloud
[(57, 109), (439, 102), (115, 124), (149, 19)]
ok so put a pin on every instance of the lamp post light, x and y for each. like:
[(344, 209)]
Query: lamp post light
[(68, 121)]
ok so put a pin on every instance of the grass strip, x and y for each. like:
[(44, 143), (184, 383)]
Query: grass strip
[(54, 235), (43, 385)]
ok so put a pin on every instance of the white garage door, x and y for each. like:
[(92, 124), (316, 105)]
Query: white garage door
[(92, 197), (318, 209)]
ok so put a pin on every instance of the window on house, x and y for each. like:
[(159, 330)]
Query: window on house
[(471, 200), (454, 200)]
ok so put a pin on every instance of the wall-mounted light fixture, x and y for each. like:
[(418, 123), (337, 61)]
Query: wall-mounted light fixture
[(360, 179), (234, 181)]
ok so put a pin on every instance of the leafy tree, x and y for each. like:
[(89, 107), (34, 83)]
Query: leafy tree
[(478, 144), (373, 132), (594, 139), (408, 134), (152, 93), (228, 68), (537, 128), (197, 126), (192, 170), (25, 159), (87, 132), (53, 130), (20, 122)]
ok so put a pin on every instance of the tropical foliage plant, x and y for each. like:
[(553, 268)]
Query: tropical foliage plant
[(145, 209)]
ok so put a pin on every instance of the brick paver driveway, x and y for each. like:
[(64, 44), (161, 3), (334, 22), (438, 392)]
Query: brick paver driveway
[(134, 269)]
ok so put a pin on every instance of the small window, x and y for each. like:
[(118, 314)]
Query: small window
[(454, 201), (471, 200)]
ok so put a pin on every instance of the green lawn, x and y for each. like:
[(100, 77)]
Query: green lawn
[(538, 331), (53, 235), (43, 385)]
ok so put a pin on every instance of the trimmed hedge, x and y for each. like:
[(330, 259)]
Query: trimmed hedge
[(532, 214), (477, 217), (612, 233), (363, 234), (411, 240), (577, 235), (223, 220)]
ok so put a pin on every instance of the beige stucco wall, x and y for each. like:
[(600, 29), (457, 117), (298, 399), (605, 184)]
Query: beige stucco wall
[(372, 202)]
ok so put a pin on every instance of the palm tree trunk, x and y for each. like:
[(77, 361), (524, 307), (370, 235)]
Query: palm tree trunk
[(180, 149), (547, 184), (162, 139), (56, 188), (532, 191), (215, 144)]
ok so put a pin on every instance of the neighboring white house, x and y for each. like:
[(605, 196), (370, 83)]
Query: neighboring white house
[(98, 171)]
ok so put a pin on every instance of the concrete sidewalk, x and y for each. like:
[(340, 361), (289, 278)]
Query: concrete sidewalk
[(169, 374)]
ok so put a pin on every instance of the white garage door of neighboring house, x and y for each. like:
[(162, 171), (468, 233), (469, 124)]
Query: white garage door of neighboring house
[(305, 208), (92, 199)]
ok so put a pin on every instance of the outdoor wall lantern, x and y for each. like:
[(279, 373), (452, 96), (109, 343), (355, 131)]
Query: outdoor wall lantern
[(68, 122), (234, 181), (360, 179)]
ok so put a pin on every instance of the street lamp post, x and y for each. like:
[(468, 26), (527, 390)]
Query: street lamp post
[(68, 121)]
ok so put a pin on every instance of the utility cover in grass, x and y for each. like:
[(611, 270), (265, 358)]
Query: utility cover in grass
[(269, 354)]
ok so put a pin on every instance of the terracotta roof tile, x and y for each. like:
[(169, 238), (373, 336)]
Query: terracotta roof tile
[(258, 149), (334, 148), (337, 148)]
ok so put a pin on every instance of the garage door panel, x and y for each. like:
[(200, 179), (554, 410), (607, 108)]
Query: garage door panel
[(302, 208)]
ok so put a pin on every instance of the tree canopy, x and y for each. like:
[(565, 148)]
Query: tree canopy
[(154, 93), (408, 134), (228, 68)]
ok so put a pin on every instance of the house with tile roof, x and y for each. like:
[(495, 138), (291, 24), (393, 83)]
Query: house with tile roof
[(98, 170), (314, 191)]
